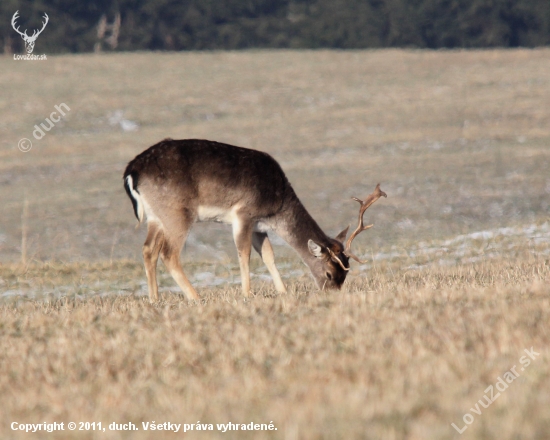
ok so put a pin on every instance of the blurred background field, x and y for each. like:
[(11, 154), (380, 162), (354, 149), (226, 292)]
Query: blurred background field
[(455, 287), (458, 139)]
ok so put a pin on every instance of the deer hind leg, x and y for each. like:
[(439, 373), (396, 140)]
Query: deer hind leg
[(151, 248), (170, 255), (242, 234), (262, 245)]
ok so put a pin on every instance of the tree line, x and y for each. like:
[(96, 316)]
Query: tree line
[(241, 24)]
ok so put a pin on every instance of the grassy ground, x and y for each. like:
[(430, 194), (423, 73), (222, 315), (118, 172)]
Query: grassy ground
[(400, 355), (456, 287)]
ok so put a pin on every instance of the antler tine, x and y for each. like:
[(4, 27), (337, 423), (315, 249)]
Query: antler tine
[(13, 20), (373, 197), (44, 23)]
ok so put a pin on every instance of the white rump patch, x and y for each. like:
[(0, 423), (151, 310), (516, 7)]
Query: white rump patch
[(136, 196)]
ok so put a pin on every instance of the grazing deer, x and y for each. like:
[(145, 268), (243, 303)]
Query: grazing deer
[(178, 182)]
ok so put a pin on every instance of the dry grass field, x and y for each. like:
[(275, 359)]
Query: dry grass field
[(456, 288), (400, 355)]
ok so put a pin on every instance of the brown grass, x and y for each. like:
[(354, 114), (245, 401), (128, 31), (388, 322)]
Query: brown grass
[(395, 356), (459, 141)]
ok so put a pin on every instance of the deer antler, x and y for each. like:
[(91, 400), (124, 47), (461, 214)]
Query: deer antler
[(16, 29), (373, 197), (36, 33)]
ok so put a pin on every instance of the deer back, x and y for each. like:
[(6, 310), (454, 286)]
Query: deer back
[(204, 174)]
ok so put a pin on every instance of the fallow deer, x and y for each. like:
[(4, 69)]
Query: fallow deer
[(178, 182)]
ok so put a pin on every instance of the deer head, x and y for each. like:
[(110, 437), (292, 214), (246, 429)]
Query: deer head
[(332, 265), (29, 40), (333, 257)]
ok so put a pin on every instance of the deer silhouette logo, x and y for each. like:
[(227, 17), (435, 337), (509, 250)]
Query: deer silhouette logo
[(29, 40)]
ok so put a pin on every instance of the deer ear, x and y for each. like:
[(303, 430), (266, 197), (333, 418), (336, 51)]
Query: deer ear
[(315, 249), (342, 235)]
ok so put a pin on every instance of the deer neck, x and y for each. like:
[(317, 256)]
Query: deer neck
[(296, 226)]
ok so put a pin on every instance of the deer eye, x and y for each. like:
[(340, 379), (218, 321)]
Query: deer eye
[(328, 275)]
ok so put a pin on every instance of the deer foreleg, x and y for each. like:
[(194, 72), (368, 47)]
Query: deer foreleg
[(242, 234), (261, 243)]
